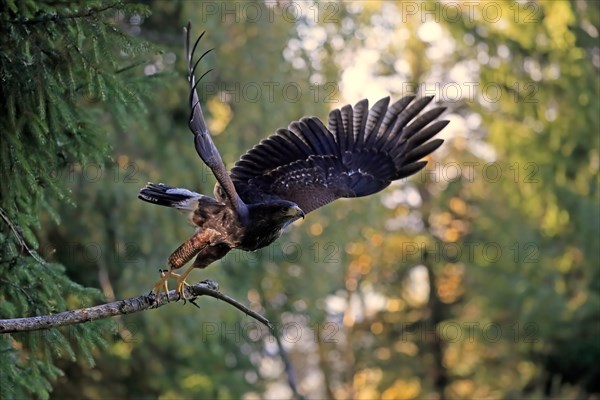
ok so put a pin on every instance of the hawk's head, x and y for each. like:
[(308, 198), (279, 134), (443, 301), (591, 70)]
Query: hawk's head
[(268, 219), (279, 212)]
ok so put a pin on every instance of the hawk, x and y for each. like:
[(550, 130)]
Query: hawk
[(292, 172)]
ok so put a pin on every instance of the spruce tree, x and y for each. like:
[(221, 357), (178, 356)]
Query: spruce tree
[(68, 74)]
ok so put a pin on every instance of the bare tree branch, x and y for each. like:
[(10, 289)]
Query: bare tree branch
[(122, 307), (289, 369)]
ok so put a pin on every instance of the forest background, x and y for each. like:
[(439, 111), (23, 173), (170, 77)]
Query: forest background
[(476, 278)]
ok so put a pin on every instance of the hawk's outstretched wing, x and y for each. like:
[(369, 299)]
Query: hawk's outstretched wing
[(361, 153), (204, 145)]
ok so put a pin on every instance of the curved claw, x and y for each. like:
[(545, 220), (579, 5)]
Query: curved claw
[(162, 285), (181, 284), (193, 301)]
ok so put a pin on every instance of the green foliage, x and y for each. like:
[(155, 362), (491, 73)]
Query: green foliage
[(61, 92)]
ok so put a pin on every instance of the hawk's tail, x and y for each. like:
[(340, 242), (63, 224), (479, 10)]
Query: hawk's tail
[(164, 195)]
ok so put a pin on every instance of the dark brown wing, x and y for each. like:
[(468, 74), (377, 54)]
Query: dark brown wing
[(204, 145), (361, 153)]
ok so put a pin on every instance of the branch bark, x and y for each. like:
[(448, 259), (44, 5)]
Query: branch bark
[(123, 307)]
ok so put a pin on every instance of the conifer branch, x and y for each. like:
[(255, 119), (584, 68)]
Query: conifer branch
[(19, 238), (123, 307), (92, 11)]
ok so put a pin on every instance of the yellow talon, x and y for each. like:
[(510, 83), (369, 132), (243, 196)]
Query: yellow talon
[(162, 284), (181, 283)]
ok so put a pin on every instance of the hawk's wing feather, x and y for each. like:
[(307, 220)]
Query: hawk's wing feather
[(361, 153), (375, 120), (205, 147)]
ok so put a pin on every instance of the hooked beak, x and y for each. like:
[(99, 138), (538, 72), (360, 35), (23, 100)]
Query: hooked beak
[(296, 212)]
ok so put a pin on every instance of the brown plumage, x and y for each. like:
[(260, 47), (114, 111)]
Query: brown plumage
[(293, 172)]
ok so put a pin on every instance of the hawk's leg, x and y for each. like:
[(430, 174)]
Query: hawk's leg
[(179, 258), (206, 256), (181, 283)]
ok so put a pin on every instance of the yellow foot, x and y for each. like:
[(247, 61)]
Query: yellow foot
[(161, 285), (181, 283), (180, 288)]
